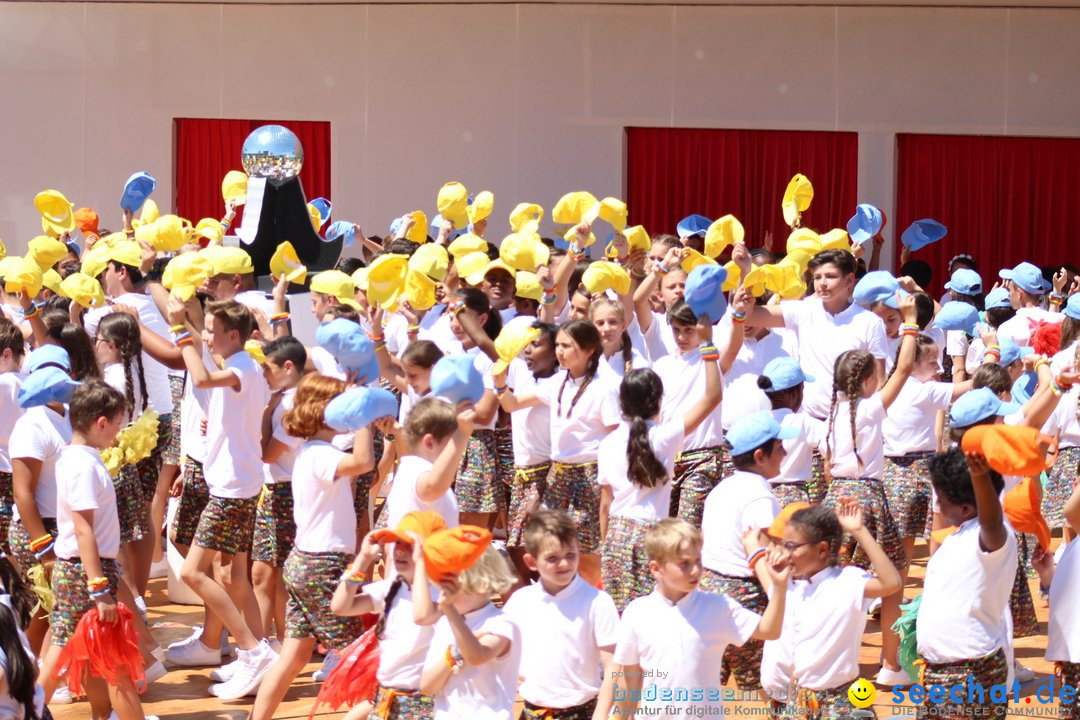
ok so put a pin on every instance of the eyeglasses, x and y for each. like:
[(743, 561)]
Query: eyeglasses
[(792, 546)]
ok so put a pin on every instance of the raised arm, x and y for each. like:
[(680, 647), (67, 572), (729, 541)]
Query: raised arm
[(886, 578), (434, 483), (992, 532), (713, 383), (905, 361)]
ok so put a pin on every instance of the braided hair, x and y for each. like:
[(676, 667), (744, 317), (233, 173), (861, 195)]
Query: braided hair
[(122, 330), (584, 334), (850, 371), (391, 594), (617, 308), (639, 400)]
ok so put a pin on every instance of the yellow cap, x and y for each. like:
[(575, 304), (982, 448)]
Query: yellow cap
[(571, 207), (83, 290), (526, 214), (3, 250), (254, 348), (477, 278), (524, 251), (692, 258), (316, 217), (733, 274), (431, 260), (51, 279), (467, 243), (56, 212), (637, 238), (419, 289), (783, 278), (610, 210), (510, 342), (722, 233), (21, 274), (210, 229), (482, 206), (167, 233), (471, 265), (127, 253), (385, 278), (797, 198), (334, 283), (602, 276), (452, 202), (150, 211), (804, 240), (234, 187), (286, 262), (186, 273), (45, 251), (418, 232), (227, 260), (571, 237), (95, 260), (527, 286), (835, 239)]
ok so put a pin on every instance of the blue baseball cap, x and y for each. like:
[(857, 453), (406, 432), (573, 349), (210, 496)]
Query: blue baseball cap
[(997, 298), (325, 207), (455, 378), (977, 406), (48, 356), (350, 346), (878, 286), (1027, 277), (965, 282), (751, 431), (864, 224), (704, 291), (342, 229), (957, 316), (49, 384), (1072, 307), (360, 406), (922, 233), (137, 188), (693, 226), (1011, 352), (785, 373)]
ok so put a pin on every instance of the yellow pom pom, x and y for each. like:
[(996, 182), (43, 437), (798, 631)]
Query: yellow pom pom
[(39, 583)]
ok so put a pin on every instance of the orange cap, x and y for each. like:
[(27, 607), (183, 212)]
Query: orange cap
[(1022, 507), (776, 530), (86, 220), (1012, 450), (423, 523), (448, 552)]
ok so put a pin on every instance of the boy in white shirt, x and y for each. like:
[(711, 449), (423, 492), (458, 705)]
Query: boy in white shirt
[(234, 474), (1027, 286), (568, 628)]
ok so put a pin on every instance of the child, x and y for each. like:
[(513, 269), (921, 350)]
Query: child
[(325, 537), (568, 628), (828, 604), (634, 469), (783, 381), (86, 574), (1065, 424), (233, 470), (275, 526), (682, 632), (12, 348), (962, 629), (619, 355), (21, 695), (471, 668)]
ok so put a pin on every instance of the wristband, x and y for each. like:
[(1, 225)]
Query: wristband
[(738, 317), (909, 333), (380, 345), (176, 329), (1041, 362), (501, 390), (226, 223), (98, 581), (547, 299), (185, 341), (456, 308), (181, 336), (44, 551), (1055, 298), (99, 594), (755, 557), (993, 348), (909, 326), (661, 268), (622, 261), (413, 329), (129, 232), (279, 318), (637, 275), (453, 659), (41, 541), (32, 313)]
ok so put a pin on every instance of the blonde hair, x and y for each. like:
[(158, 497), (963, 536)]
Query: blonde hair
[(430, 416), (666, 538), (491, 575)]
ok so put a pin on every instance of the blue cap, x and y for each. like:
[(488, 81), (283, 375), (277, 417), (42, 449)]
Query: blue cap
[(74, 247), (878, 286), (957, 316), (693, 225), (1072, 307), (455, 378), (137, 188), (997, 298), (436, 224), (922, 233), (754, 430), (48, 356), (965, 282), (48, 385), (785, 373), (1027, 277), (358, 407), (1011, 352), (977, 406), (350, 346), (704, 291), (342, 229), (864, 224), (325, 207)]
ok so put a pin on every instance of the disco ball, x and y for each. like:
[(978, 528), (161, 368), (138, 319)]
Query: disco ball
[(272, 152)]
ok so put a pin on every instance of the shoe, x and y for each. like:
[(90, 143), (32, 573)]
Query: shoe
[(114, 716), (159, 653), (62, 696), (1022, 673), (328, 664), (254, 664), (193, 654), (875, 608), (225, 672), (888, 677), (227, 648), (196, 634), (155, 672)]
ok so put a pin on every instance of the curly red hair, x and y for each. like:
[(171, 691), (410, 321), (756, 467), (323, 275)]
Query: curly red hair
[(312, 396)]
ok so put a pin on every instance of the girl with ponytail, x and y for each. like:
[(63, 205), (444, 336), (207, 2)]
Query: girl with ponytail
[(636, 465), (619, 354), (21, 696)]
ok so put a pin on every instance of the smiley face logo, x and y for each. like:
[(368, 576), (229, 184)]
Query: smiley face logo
[(862, 693)]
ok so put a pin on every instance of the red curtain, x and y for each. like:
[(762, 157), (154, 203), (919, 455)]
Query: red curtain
[(671, 173), (206, 149), (1003, 199)]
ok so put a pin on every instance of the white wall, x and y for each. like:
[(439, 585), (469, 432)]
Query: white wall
[(526, 100)]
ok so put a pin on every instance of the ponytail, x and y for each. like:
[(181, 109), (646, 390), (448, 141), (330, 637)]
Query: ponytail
[(21, 669), (639, 400)]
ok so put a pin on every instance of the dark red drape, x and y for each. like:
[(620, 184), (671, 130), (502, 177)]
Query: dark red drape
[(1003, 199), (206, 149), (671, 173)]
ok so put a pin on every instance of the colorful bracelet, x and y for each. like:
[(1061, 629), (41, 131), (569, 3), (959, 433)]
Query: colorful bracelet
[(453, 659), (41, 541), (412, 329), (709, 353), (1056, 298), (1043, 361), (662, 269), (99, 594), (622, 261), (185, 341), (32, 313), (637, 274), (44, 551), (548, 299), (226, 223), (739, 317), (175, 329), (758, 554), (456, 308), (909, 333), (909, 326), (279, 318)]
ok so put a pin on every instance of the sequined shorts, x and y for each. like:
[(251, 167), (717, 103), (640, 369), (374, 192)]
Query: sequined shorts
[(171, 454), (526, 491), (20, 543), (397, 705), (72, 596), (825, 705), (696, 473), (275, 526), (877, 518), (985, 672), (227, 524), (574, 490), (194, 495), (790, 492), (908, 490), (1060, 486), (477, 483), (624, 564), (7, 504), (131, 509), (311, 579), (743, 662), (579, 712), (362, 496)]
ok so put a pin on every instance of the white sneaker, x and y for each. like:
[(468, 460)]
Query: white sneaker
[(196, 634), (255, 663), (114, 716), (225, 672), (328, 664), (159, 653), (193, 654), (1022, 673), (227, 648), (62, 696), (888, 677), (875, 607), (155, 672)]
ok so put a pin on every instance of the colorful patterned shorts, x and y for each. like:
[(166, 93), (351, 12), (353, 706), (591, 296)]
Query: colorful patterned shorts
[(171, 454), (817, 485), (574, 490), (477, 486), (150, 468), (275, 526), (72, 598), (132, 511), (579, 712), (1070, 675), (987, 672), (877, 518), (526, 492), (193, 498), (362, 496), (396, 705), (227, 524), (311, 579), (790, 492), (504, 463), (743, 662), (1021, 604), (1060, 486), (825, 705), (727, 468), (19, 540), (908, 490), (624, 564), (7, 502), (696, 473)]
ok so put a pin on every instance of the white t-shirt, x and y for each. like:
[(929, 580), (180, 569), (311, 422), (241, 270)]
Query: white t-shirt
[(531, 427), (798, 464), (629, 499), (742, 501), (576, 432), (741, 392), (1063, 634), (10, 382), (1062, 422), (113, 375), (485, 692), (402, 498), (965, 607), (156, 374), (83, 483), (1064, 359), (322, 502), (683, 377), (909, 424), (869, 417), (256, 300), (233, 465), (281, 470), (325, 363), (613, 369), (193, 405), (439, 332), (1021, 326), (561, 637), (41, 434), (686, 640), (402, 649), (823, 337), (957, 343)]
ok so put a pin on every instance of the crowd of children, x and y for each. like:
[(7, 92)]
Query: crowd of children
[(701, 465)]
